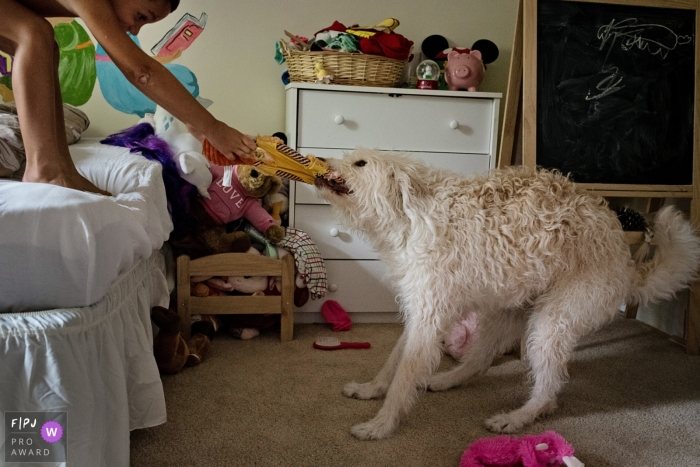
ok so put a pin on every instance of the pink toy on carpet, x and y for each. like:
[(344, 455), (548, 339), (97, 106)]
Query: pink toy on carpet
[(548, 449), (336, 315)]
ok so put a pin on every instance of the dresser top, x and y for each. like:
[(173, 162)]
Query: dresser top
[(421, 92)]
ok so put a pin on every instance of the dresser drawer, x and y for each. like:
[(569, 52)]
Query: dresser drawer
[(467, 164), (333, 240), (357, 286), (328, 119)]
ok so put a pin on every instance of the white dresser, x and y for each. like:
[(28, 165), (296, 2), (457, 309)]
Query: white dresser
[(456, 130)]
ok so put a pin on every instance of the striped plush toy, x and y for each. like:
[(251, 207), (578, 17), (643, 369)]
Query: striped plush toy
[(276, 158)]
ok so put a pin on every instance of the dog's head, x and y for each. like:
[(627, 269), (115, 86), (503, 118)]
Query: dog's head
[(373, 189)]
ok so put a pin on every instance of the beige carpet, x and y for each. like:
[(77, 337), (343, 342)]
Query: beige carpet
[(633, 400)]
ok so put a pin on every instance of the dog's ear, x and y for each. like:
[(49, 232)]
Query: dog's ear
[(410, 187)]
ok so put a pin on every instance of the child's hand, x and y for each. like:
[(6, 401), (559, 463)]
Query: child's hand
[(232, 143)]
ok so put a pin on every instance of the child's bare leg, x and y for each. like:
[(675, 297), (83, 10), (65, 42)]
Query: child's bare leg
[(30, 38)]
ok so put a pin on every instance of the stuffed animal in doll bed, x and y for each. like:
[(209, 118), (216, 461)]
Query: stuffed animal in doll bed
[(209, 286)]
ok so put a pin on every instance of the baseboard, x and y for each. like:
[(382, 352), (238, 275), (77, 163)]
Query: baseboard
[(365, 317)]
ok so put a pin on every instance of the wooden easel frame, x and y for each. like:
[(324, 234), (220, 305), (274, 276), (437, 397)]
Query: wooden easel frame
[(522, 94)]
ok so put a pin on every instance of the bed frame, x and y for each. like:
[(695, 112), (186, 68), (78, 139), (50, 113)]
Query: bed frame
[(236, 264)]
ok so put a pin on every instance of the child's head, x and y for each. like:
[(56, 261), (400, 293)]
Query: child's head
[(134, 14)]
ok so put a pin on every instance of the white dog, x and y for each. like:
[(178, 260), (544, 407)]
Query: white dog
[(538, 257)]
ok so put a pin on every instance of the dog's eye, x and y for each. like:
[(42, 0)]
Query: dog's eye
[(254, 173), (360, 163)]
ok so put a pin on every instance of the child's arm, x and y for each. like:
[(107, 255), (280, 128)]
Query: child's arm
[(156, 82)]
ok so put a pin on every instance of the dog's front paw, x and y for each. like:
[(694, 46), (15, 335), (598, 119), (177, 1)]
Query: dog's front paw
[(505, 423), (363, 391), (373, 429)]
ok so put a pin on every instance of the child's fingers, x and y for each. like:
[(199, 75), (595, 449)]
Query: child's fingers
[(242, 155), (249, 142)]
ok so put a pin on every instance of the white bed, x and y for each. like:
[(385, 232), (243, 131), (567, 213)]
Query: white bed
[(79, 274)]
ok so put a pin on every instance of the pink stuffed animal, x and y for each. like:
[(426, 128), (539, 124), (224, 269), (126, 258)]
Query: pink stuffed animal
[(548, 449), (239, 196)]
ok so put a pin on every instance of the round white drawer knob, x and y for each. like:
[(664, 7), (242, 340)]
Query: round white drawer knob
[(333, 287), (454, 124), (339, 120), (334, 232)]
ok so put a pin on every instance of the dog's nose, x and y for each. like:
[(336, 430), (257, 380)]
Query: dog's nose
[(254, 173)]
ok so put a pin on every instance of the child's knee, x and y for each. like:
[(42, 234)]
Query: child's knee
[(38, 34)]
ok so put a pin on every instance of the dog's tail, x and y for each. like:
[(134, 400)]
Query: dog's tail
[(674, 264)]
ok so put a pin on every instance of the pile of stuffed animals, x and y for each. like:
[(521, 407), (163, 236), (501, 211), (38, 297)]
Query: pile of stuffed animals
[(224, 209)]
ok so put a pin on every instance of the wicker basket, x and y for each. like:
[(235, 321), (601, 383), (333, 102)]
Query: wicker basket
[(346, 68)]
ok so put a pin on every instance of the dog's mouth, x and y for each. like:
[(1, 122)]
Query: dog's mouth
[(332, 181)]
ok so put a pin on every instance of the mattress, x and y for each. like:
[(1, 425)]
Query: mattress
[(62, 248)]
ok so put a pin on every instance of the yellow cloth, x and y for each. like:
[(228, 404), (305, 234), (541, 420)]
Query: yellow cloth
[(276, 158)]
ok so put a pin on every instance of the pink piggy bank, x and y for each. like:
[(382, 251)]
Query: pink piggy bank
[(464, 71)]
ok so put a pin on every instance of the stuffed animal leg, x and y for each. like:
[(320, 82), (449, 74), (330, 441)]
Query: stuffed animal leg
[(169, 347), (170, 350)]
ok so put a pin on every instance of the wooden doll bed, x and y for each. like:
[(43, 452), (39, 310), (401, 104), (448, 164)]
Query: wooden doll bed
[(236, 264)]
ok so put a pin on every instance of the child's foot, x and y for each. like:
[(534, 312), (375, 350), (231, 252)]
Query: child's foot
[(71, 180)]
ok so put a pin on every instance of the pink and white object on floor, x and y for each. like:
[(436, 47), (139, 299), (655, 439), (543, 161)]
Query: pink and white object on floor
[(548, 449)]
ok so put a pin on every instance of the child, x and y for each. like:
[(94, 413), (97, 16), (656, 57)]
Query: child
[(25, 34)]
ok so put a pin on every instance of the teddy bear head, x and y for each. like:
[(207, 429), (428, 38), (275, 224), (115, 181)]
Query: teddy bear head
[(256, 183)]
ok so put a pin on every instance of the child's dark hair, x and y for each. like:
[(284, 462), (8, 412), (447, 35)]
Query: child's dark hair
[(173, 5)]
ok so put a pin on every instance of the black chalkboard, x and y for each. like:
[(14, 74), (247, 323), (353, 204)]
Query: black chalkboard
[(615, 92)]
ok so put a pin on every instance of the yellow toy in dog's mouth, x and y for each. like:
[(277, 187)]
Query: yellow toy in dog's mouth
[(275, 158)]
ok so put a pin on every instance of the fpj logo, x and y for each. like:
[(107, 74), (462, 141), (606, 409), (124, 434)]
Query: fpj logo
[(35, 436)]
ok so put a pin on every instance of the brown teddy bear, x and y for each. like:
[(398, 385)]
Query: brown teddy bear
[(170, 350)]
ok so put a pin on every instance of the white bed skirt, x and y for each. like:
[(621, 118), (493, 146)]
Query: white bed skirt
[(95, 363)]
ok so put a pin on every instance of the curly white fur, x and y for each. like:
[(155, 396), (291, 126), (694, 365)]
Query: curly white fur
[(536, 255)]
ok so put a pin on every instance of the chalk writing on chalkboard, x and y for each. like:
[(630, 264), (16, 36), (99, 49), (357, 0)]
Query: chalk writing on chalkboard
[(615, 92)]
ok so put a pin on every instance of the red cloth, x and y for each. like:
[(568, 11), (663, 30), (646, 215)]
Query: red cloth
[(388, 45), (336, 315), (336, 26)]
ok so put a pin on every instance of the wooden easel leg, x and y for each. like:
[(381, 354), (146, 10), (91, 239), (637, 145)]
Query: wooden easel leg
[(509, 132), (692, 321)]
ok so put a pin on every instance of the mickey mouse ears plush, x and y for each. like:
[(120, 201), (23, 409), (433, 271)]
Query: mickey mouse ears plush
[(436, 47)]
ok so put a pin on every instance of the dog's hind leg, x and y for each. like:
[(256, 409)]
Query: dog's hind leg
[(420, 357), (497, 332), (380, 384), (559, 318)]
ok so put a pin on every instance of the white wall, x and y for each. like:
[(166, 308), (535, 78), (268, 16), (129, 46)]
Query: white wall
[(234, 57), (234, 62)]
